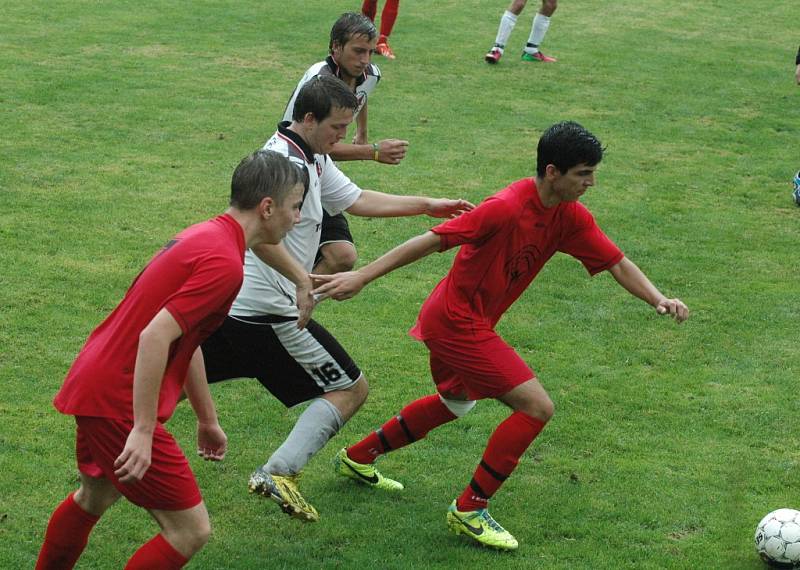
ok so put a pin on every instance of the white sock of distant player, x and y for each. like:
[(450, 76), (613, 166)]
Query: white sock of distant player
[(538, 30), (315, 426), (507, 23)]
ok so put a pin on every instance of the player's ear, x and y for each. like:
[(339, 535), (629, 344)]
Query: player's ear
[(309, 119), (551, 172), (266, 208)]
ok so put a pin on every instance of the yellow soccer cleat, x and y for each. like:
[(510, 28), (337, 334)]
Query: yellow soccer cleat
[(363, 473), (480, 527), (283, 490)]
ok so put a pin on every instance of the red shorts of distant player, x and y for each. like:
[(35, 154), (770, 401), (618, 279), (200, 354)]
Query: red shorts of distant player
[(480, 366), (168, 484)]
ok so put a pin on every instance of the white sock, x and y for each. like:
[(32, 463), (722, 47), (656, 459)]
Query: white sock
[(507, 23), (315, 426), (538, 30)]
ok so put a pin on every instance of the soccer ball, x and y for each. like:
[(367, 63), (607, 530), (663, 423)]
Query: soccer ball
[(796, 191), (778, 538)]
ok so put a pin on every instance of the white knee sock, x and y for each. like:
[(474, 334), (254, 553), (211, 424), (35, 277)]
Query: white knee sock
[(507, 23), (538, 30), (315, 426)]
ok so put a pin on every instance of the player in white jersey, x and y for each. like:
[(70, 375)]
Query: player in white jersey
[(541, 22), (265, 336), (352, 42)]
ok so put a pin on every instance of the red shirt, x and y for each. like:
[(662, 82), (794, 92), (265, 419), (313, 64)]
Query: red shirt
[(505, 242), (195, 277)]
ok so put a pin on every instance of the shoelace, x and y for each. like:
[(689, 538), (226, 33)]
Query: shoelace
[(484, 514)]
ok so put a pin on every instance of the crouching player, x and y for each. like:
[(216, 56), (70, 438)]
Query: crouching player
[(504, 242), (127, 379)]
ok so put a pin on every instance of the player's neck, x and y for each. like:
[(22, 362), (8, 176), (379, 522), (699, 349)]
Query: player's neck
[(547, 196), (249, 223)]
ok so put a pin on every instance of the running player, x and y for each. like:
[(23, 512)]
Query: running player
[(352, 41), (265, 336), (127, 379), (541, 22), (504, 242)]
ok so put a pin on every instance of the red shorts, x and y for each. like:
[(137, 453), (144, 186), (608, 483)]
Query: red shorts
[(168, 484), (482, 366)]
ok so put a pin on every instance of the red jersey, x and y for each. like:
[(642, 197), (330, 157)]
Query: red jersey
[(505, 242), (195, 277)]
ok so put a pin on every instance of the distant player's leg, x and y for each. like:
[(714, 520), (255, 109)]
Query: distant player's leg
[(412, 424), (71, 523), (303, 365), (541, 22), (507, 23), (369, 8), (388, 18), (469, 512)]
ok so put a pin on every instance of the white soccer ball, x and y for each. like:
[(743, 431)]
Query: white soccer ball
[(778, 538)]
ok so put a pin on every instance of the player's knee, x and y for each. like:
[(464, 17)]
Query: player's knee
[(340, 256), (196, 537), (543, 409), (459, 408), (548, 7)]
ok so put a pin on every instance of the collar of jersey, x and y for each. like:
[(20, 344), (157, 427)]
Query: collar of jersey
[(283, 130), (334, 67)]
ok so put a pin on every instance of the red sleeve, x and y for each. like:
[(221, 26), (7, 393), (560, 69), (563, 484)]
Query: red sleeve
[(585, 241), (210, 289), (474, 226)]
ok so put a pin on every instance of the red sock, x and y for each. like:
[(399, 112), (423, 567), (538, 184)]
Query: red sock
[(157, 554), (411, 424), (506, 445), (66, 537), (388, 16), (368, 8)]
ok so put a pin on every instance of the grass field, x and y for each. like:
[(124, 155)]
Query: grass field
[(122, 122)]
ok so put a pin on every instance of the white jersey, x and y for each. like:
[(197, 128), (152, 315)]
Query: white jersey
[(265, 291), (365, 83)]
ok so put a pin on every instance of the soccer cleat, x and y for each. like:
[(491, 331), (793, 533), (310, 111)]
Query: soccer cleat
[(363, 473), (283, 490), (538, 56), (493, 56), (383, 48), (480, 527)]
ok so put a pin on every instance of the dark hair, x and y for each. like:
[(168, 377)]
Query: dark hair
[(348, 25), (567, 144), (320, 94), (265, 173)]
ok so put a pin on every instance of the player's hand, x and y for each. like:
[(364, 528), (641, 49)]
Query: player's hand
[(339, 286), (674, 307), (134, 461), (212, 443), (392, 151), (305, 304), (445, 208)]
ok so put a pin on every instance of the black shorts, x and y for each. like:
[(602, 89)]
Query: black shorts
[(334, 229), (294, 365)]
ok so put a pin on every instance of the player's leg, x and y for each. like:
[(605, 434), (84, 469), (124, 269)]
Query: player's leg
[(183, 533), (305, 365), (369, 8), (541, 22), (337, 252), (411, 424), (507, 23), (388, 18), (72, 522)]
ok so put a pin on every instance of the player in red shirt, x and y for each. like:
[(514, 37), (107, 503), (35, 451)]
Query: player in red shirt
[(388, 17), (504, 242), (127, 379)]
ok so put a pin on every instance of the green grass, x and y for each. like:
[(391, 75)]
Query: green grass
[(123, 121)]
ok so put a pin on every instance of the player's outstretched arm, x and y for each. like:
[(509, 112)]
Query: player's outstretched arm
[(151, 361), (279, 258), (341, 286), (637, 284), (379, 205), (212, 443), (387, 151)]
